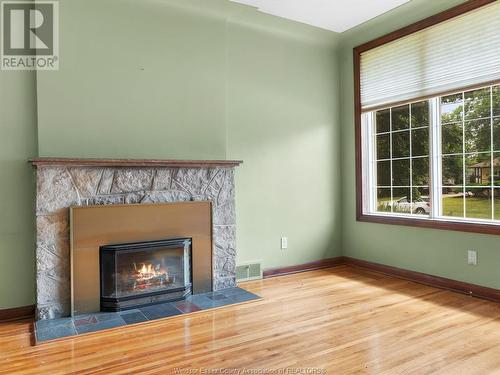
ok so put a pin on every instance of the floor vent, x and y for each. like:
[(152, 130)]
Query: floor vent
[(249, 271)]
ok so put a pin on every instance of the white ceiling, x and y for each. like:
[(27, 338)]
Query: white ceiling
[(334, 15)]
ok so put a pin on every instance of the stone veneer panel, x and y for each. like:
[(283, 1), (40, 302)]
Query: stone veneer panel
[(58, 188)]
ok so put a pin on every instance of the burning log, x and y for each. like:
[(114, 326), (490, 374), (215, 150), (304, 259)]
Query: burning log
[(147, 277)]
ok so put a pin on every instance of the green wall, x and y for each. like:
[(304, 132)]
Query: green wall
[(435, 252), (282, 116), (17, 145), (138, 79)]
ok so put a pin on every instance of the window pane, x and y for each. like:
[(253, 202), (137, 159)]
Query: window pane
[(383, 121), (451, 108), (420, 172), (496, 101), (383, 146), (421, 203), (401, 200), (401, 172), (420, 142), (384, 200), (384, 173), (477, 136), (451, 139), (477, 104), (478, 169), (420, 114), (496, 202), (401, 117), (401, 144), (452, 169), (453, 201), (478, 203), (496, 134)]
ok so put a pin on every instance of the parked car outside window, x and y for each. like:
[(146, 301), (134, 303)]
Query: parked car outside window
[(421, 206)]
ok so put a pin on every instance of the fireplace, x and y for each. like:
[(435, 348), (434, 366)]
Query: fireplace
[(144, 273), (82, 204)]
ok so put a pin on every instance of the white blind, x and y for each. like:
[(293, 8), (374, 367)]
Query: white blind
[(457, 53)]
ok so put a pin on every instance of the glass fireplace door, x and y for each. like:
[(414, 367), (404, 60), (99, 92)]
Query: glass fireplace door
[(144, 273)]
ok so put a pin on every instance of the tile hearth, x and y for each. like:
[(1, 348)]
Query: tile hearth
[(52, 329)]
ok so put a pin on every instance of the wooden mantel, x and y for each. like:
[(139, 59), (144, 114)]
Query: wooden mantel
[(76, 162)]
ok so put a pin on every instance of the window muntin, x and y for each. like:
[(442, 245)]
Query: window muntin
[(467, 182)]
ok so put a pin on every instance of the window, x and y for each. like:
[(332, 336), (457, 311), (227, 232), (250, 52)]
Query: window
[(468, 129), (402, 158), (428, 122)]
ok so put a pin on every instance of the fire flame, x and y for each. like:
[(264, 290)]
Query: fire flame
[(148, 275), (148, 272)]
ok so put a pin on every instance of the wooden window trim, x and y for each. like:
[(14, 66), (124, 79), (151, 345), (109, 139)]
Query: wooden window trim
[(357, 51)]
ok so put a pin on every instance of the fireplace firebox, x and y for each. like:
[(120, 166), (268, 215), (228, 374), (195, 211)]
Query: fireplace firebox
[(144, 273)]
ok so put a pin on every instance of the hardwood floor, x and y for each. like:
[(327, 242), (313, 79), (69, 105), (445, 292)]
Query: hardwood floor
[(343, 320)]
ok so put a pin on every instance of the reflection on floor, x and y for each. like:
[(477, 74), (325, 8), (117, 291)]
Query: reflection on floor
[(64, 327)]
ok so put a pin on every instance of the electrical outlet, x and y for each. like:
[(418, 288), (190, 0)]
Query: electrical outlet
[(472, 257), (284, 243)]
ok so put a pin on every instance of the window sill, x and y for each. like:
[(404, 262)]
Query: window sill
[(424, 222)]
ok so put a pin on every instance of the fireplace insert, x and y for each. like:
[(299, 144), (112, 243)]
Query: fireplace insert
[(144, 273)]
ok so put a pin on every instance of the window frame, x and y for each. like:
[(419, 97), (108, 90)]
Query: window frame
[(435, 222)]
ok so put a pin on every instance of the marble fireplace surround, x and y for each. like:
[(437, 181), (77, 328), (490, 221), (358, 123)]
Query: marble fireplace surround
[(62, 183)]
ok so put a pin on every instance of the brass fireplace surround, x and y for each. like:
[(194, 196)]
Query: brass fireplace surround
[(94, 226)]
